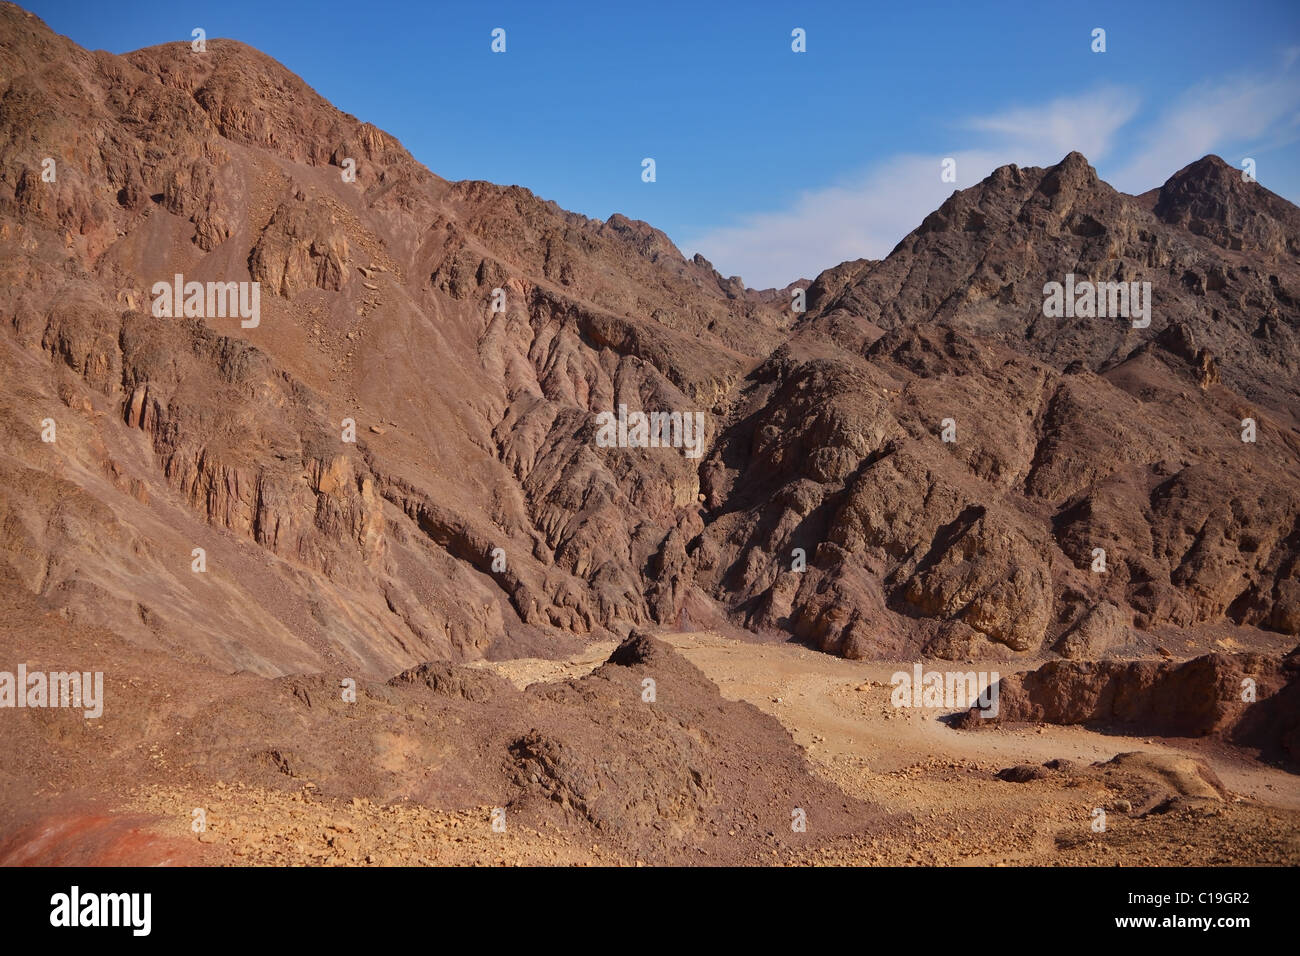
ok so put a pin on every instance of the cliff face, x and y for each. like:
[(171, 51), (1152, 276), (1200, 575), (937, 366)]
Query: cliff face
[(468, 335)]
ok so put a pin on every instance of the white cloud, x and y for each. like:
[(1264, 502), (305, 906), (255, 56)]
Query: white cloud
[(1085, 123), (1207, 119), (865, 215)]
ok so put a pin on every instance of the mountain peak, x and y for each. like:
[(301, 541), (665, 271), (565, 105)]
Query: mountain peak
[(1074, 159), (1071, 174), (1222, 203)]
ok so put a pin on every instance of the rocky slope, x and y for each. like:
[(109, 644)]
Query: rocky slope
[(473, 427)]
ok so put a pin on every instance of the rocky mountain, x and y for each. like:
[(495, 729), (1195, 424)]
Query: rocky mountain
[(473, 427), (1069, 434), (1128, 439), (469, 337)]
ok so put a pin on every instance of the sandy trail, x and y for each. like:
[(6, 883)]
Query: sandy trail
[(841, 709)]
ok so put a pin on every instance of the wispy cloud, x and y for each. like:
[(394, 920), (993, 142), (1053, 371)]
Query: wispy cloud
[(1087, 123), (861, 217), (866, 214), (1211, 118)]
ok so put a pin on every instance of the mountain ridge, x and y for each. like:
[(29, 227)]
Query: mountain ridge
[(475, 429)]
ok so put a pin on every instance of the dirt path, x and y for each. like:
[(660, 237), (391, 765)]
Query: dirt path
[(840, 710)]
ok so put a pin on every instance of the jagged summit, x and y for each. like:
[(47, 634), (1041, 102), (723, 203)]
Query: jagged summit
[(982, 258)]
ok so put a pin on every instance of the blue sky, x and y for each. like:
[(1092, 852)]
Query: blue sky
[(771, 163)]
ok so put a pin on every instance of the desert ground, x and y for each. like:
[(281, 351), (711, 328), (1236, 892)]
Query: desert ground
[(933, 792)]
